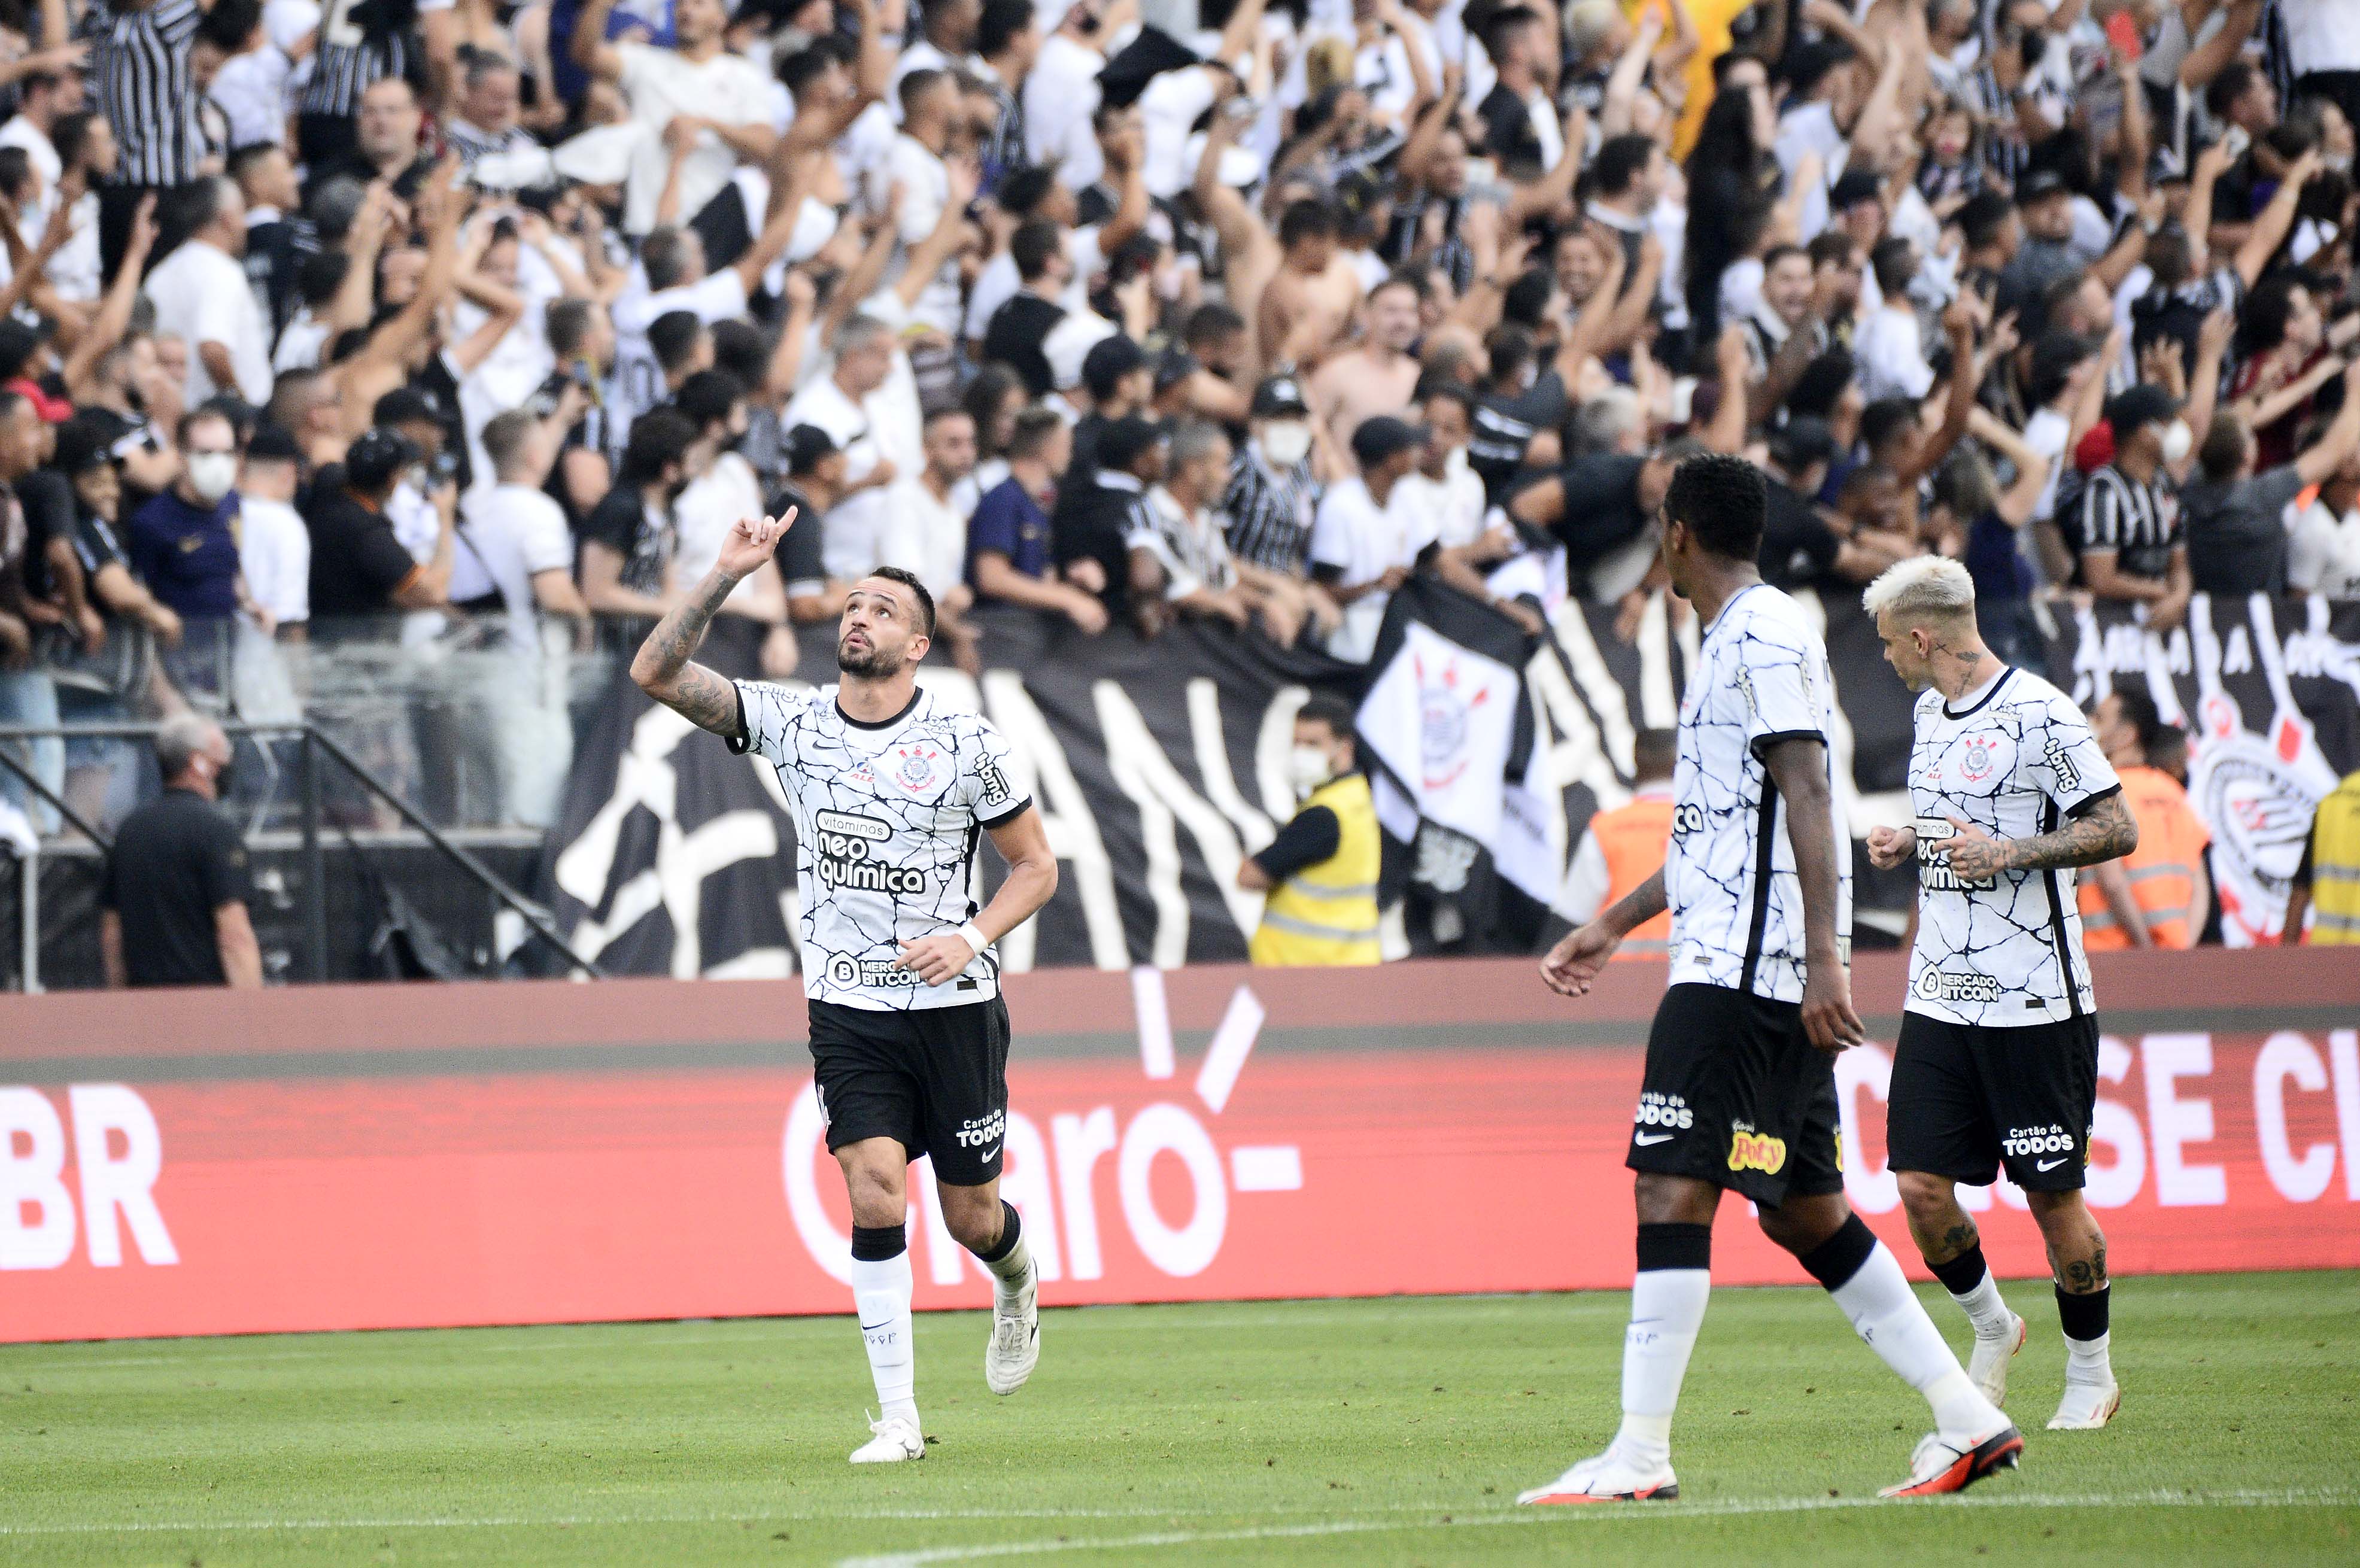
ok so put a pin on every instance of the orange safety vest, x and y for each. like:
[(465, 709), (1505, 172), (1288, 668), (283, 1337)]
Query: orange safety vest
[(2162, 869), (1634, 839)]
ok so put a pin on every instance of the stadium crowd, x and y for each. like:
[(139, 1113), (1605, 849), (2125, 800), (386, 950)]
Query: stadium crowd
[(396, 322)]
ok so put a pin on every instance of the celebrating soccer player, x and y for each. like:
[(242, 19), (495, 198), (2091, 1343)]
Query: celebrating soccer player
[(1739, 1087), (909, 1036), (1997, 1063)]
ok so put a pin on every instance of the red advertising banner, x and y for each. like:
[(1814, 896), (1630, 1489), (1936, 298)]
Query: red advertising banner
[(387, 1156)]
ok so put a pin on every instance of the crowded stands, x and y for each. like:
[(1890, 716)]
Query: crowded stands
[(357, 330)]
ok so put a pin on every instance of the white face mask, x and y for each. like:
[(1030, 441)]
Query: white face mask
[(2176, 440), (1285, 442), (1308, 768), (212, 473)]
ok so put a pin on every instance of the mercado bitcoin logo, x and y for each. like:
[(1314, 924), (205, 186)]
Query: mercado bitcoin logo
[(1750, 1150)]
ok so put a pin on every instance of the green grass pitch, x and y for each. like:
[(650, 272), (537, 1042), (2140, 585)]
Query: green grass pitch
[(1352, 1432)]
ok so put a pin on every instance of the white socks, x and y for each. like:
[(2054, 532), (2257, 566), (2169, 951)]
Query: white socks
[(1667, 1301), (1667, 1309), (881, 1292), (1886, 1313), (1984, 1308), (2086, 1361)]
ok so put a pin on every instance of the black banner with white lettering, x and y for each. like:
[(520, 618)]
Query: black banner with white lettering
[(1158, 765)]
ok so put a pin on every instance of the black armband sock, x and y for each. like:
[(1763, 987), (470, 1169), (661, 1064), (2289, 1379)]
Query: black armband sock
[(878, 1243), (2082, 1317), (1011, 1231), (1835, 1260), (1674, 1247), (1962, 1274)]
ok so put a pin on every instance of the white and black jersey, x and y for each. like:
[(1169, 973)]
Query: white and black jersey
[(886, 816), (1736, 902), (2015, 760), (2139, 522), (141, 62)]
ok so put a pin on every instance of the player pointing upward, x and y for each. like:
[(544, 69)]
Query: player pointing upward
[(1740, 1090), (1997, 1063), (909, 1036)]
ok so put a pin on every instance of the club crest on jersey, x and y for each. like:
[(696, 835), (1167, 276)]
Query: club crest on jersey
[(917, 768), (1751, 1150), (1977, 764)]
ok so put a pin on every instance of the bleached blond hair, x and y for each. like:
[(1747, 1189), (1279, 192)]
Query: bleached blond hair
[(1924, 587)]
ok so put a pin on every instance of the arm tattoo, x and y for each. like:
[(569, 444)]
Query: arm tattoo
[(2104, 832), (663, 668), (706, 700)]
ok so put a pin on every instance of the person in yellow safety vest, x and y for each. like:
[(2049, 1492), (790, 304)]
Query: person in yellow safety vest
[(1624, 847), (2327, 883), (1321, 870), (2165, 872)]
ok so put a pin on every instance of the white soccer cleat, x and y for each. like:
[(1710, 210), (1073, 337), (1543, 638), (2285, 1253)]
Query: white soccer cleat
[(1015, 1343), (1987, 1368), (1608, 1477), (2086, 1406), (895, 1441), (1939, 1466)]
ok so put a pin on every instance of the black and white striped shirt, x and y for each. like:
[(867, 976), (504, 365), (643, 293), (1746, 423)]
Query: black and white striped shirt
[(350, 61), (2139, 522), (472, 146), (1270, 513), (141, 63)]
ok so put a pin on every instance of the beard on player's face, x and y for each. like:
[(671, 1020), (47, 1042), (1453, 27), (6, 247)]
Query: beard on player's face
[(866, 659)]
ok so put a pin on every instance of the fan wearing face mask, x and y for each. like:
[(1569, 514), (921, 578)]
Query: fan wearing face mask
[(1321, 870), (184, 543)]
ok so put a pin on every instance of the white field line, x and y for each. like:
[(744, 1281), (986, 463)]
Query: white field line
[(1387, 1517), (1734, 1506)]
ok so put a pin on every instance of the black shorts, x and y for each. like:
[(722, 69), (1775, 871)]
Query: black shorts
[(1966, 1100), (934, 1079), (1736, 1095)]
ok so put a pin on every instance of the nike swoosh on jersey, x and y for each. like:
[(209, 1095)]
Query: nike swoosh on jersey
[(1644, 1139)]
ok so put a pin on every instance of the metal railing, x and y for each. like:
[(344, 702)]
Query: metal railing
[(314, 745)]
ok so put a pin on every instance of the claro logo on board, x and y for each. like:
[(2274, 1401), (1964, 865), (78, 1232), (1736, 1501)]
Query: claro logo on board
[(116, 1155), (1054, 1178)]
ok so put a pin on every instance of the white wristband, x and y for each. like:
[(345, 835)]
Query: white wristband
[(973, 938)]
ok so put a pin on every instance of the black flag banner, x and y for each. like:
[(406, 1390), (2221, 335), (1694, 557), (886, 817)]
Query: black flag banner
[(1159, 765), (2268, 691), (1446, 733)]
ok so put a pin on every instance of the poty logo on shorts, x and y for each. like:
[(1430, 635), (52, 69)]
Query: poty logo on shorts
[(2050, 1139), (982, 1132), (1657, 1109), (1946, 985), (1751, 1150)]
